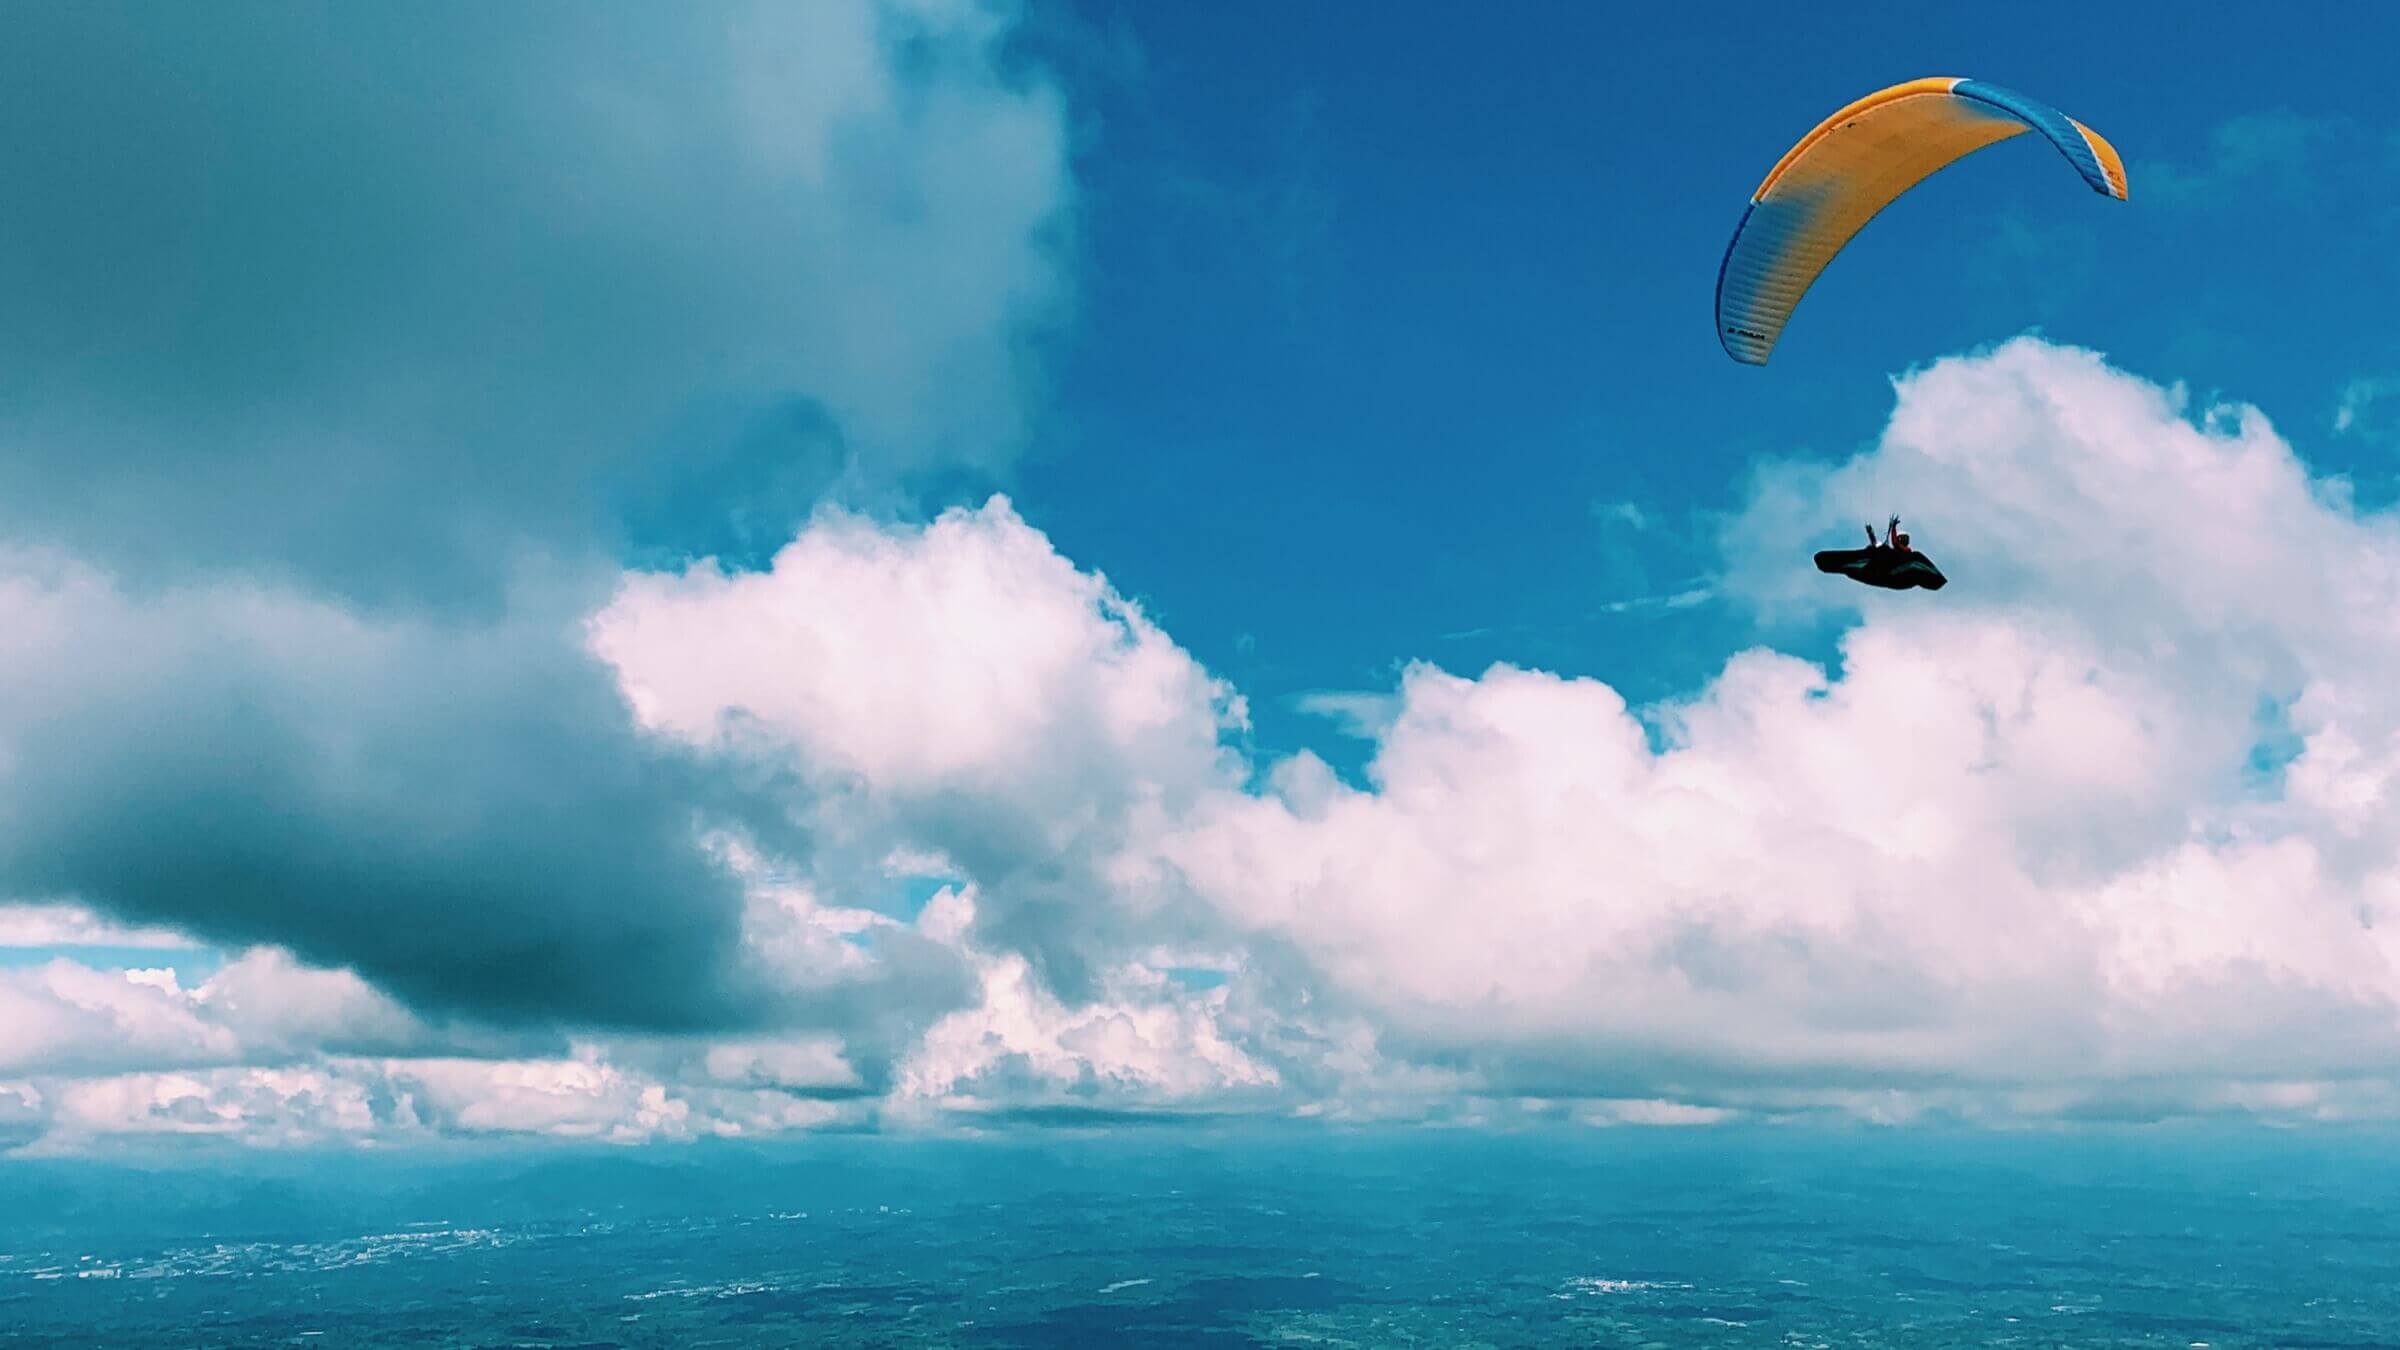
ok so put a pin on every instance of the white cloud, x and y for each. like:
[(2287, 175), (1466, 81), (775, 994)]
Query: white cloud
[(1628, 514), (575, 1098), (2009, 841), (2354, 413), (62, 1016), (1648, 1111), (61, 925), (356, 1101), (1358, 712), (2010, 857), (808, 1063), (968, 655), (240, 1103), (1683, 599), (1144, 1043), (958, 690), (262, 1007), (277, 1006)]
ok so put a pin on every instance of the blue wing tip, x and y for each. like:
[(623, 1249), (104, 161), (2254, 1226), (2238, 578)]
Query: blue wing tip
[(2057, 126)]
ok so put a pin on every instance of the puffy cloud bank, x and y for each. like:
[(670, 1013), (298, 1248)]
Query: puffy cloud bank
[(350, 354), (2101, 831)]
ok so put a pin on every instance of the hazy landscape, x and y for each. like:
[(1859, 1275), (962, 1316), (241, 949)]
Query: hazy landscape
[(1740, 1239)]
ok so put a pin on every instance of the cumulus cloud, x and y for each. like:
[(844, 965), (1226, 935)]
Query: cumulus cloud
[(1141, 1045), (463, 813), (2017, 838), (348, 358), (356, 1102), (958, 690), (63, 1019), (338, 342), (268, 1051), (2101, 832)]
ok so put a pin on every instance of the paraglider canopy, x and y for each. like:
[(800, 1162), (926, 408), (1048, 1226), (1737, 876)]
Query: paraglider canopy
[(1858, 161)]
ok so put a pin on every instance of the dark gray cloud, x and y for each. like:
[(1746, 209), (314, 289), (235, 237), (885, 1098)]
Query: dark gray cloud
[(376, 295), (446, 809), (740, 481)]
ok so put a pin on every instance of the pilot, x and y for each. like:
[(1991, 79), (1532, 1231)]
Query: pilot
[(1894, 537)]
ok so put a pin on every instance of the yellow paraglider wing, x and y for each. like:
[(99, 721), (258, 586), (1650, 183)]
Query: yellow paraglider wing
[(1857, 162)]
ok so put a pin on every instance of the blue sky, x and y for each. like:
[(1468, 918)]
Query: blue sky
[(637, 574), (1378, 318)]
